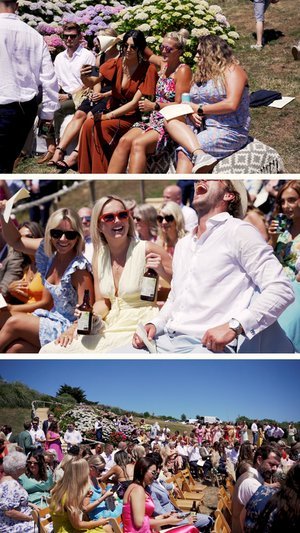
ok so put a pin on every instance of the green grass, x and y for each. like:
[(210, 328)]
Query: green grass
[(14, 417), (273, 68)]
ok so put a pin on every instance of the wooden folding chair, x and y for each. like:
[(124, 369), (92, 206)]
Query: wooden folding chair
[(116, 524), (42, 519), (189, 483), (221, 525)]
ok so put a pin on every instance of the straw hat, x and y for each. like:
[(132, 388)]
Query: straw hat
[(107, 42)]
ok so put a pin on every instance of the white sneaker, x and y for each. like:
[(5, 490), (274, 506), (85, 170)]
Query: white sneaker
[(296, 51), (201, 161), (257, 47)]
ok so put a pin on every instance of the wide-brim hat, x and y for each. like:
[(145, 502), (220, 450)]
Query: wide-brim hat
[(240, 188), (107, 42)]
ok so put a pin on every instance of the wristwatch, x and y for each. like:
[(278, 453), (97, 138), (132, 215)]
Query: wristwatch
[(157, 106), (236, 326), (200, 110)]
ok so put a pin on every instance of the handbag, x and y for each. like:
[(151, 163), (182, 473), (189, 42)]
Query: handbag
[(82, 94)]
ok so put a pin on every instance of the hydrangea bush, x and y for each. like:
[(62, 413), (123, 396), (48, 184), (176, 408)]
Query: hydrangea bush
[(84, 418), (157, 17)]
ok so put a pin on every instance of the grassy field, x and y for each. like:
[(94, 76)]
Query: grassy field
[(14, 417), (273, 68)]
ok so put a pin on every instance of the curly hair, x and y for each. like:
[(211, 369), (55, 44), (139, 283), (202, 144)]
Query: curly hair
[(214, 55), (291, 184)]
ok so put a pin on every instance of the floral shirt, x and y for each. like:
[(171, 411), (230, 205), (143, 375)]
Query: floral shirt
[(287, 251), (14, 497)]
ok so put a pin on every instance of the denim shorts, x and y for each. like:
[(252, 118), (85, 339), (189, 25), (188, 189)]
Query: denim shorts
[(260, 6)]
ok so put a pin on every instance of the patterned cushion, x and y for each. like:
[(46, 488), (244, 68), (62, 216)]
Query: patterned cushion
[(255, 158)]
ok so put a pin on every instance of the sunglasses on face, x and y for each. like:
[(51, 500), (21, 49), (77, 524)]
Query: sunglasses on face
[(166, 48), (137, 219), (58, 233), (87, 218), (112, 217), (67, 36), (128, 46), (167, 218)]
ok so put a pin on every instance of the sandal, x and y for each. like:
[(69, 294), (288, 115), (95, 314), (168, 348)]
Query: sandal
[(62, 152), (44, 158), (63, 166)]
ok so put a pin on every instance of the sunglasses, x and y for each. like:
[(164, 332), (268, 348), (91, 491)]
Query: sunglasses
[(87, 218), (167, 218), (112, 217), (58, 233), (138, 219), (166, 48), (127, 46), (67, 36)]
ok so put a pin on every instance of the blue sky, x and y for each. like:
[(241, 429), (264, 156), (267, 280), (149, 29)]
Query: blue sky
[(257, 389)]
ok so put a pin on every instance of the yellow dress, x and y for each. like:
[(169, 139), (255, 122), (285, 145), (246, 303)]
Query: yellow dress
[(62, 524), (35, 288), (127, 309)]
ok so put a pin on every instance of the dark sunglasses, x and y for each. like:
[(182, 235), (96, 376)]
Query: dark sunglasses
[(138, 219), (111, 217), (167, 218), (166, 48), (58, 233), (87, 218), (128, 46), (67, 36)]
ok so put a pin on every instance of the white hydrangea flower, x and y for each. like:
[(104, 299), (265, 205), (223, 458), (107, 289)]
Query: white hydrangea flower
[(214, 9), (201, 32), (151, 39), (233, 34), (141, 16), (186, 17), (144, 27)]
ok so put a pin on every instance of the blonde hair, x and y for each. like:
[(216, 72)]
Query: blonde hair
[(137, 452), (180, 37), (70, 491), (148, 214), (54, 220), (214, 56), (95, 460), (171, 208), (97, 236)]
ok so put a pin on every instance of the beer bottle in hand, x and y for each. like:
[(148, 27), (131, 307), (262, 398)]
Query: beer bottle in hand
[(149, 285), (84, 326), (194, 509)]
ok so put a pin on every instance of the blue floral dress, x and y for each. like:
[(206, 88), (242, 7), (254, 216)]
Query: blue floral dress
[(223, 134), (287, 251), (101, 511), (14, 497), (61, 316)]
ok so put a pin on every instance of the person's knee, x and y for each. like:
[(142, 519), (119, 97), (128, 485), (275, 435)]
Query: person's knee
[(138, 145), (124, 145)]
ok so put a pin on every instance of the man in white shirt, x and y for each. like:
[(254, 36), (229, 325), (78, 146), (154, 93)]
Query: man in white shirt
[(67, 66), (194, 456), (233, 454), (108, 456), (37, 434), (85, 214), (228, 288), (254, 429), (25, 65), (72, 436), (173, 193), (265, 463)]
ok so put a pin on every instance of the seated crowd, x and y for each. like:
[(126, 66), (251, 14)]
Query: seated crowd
[(106, 250), (86, 484), (115, 98)]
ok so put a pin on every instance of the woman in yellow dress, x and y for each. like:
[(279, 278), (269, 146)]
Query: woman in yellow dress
[(67, 501), (119, 263)]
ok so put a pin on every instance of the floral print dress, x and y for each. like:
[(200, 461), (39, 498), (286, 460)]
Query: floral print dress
[(287, 251), (13, 497), (164, 93)]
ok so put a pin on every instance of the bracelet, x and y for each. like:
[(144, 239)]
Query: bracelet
[(200, 111), (69, 96), (157, 106)]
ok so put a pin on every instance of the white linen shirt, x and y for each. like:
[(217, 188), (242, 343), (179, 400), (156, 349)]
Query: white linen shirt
[(68, 68), (216, 277), (25, 65), (190, 217), (73, 438)]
